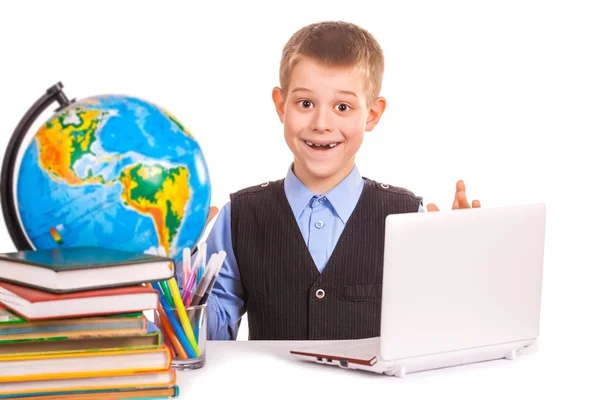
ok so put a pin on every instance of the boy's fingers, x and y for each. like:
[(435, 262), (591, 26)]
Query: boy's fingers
[(432, 207), (460, 187), (476, 204), (462, 200)]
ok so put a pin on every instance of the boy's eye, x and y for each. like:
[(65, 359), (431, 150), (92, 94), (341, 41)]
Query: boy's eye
[(343, 107), (305, 104)]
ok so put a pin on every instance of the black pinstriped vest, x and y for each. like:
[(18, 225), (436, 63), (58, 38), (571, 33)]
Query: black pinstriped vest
[(286, 296)]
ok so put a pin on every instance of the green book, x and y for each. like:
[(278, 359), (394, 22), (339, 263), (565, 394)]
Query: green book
[(14, 327), (72, 269), (151, 338), (8, 317)]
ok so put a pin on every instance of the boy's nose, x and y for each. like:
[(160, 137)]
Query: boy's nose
[(321, 122)]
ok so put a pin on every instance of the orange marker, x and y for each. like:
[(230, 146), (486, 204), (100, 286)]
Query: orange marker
[(169, 332), (168, 329)]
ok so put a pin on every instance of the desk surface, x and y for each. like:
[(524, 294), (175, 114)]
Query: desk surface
[(243, 368)]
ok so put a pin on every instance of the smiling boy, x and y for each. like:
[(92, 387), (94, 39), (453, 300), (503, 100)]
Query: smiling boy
[(305, 253)]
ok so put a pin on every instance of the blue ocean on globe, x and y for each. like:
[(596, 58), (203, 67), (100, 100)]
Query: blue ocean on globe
[(116, 172)]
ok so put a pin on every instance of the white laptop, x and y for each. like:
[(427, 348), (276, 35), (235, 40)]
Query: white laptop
[(459, 287)]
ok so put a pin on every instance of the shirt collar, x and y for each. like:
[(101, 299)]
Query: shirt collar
[(297, 194), (345, 195), (342, 197)]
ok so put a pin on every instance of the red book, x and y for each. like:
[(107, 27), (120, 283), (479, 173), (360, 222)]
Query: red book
[(33, 304)]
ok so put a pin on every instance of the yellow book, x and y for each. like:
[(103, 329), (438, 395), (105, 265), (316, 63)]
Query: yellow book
[(74, 365), (138, 380)]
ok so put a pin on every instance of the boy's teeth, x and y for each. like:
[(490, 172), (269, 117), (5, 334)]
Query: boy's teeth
[(321, 145)]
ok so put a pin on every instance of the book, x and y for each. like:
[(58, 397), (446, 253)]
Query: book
[(127, 381), (33, 304), (15, 327), (151, 339), (120, 394), (72, 269), (157, 393), (86, 364)]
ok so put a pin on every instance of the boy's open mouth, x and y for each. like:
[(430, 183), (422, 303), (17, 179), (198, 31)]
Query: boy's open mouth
[(321, 146)]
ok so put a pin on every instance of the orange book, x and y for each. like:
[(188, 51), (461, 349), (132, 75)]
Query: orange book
[(33, 304)]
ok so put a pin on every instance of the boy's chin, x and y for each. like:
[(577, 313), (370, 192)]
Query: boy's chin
[(322, 172)]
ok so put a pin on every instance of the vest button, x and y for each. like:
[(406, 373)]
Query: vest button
[(265, 184), (385, 185), (320, 293)]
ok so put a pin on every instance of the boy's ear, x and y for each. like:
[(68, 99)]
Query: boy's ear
[(279, 101), (375, 113)]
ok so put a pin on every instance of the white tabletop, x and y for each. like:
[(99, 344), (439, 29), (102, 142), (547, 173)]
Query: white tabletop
[(244, 368)]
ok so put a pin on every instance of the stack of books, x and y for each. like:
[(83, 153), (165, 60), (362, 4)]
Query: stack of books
[(72, 325)]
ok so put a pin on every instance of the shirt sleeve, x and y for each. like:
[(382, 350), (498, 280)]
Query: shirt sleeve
[(421, 208), (225, 304)]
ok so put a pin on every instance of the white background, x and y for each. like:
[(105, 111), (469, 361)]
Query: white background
[(505, 95)]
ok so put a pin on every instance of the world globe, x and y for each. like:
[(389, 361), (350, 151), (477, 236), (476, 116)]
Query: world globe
[(111, 171)]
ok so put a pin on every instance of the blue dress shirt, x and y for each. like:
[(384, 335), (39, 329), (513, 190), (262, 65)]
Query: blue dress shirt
[(321, 218)]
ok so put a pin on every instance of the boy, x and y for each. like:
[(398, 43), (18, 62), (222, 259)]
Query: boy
[(305, 253)]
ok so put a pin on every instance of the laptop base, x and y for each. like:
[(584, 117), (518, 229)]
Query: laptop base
[(400, 368)]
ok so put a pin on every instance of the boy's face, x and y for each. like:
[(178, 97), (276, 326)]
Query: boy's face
[(325, 115)]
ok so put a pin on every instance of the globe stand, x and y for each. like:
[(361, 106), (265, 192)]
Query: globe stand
[(9, 208)]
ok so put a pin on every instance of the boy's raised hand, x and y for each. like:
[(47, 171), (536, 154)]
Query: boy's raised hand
[(460, 199)]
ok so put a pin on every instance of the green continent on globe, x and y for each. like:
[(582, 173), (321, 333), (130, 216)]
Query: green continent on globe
[(159, 192), (67, 138)]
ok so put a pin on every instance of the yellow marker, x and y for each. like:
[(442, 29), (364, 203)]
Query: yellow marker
[(185, 322)]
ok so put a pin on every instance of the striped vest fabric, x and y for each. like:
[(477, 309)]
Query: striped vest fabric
[(287, 298)]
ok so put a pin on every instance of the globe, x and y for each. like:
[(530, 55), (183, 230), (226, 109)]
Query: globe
[(112, 171)]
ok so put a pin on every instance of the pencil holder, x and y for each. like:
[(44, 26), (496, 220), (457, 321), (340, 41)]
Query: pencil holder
[(184, 331)]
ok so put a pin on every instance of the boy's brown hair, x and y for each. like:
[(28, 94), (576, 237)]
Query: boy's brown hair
[(335, 44)]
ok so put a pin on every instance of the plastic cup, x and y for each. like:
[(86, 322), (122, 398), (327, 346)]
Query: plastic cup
[(182, 359)]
